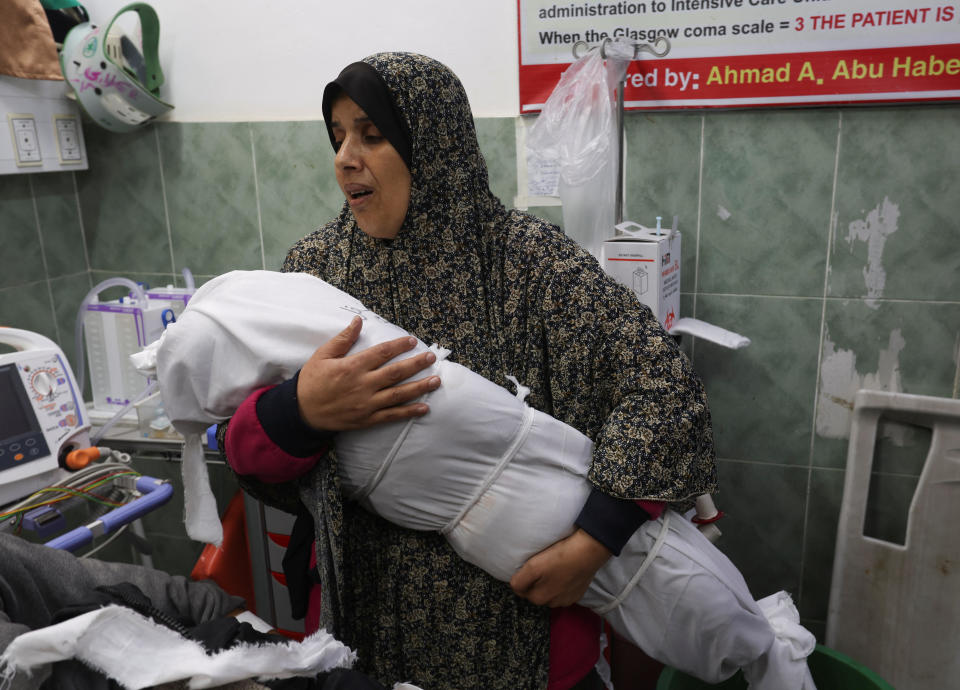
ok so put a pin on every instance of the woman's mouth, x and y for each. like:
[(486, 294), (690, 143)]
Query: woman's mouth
[(356, 193)]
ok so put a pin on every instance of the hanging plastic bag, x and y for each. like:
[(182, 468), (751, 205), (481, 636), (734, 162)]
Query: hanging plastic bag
[(575, 126), (576, 129)]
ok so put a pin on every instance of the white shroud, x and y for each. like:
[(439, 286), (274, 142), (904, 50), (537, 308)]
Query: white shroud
[(500, 480)]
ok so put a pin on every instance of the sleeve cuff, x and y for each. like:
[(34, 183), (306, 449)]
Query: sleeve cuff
[(611, 521), (279, 416)]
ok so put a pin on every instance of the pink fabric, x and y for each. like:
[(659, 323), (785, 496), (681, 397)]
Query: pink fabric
[(251, 452), (574, 645), (654, 508)]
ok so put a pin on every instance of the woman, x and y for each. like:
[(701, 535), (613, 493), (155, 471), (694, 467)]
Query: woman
[(423, 242)]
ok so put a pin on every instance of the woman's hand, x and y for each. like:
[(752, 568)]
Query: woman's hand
[(336, 392), (560, 574)]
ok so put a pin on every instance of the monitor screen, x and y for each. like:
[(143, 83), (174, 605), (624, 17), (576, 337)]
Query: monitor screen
[(16, 416)]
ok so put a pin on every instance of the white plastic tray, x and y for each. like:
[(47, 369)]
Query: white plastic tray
[(896, 608)]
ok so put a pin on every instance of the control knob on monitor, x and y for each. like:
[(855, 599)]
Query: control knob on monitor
[(43, 383)]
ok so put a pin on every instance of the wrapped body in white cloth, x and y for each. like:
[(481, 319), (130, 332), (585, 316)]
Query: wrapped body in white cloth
[(501, 480)]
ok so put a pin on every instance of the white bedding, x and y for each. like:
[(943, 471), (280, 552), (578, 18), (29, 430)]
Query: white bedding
[(501, 480)]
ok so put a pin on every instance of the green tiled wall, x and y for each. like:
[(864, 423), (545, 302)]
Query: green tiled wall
[(812, 231), (787, 219)]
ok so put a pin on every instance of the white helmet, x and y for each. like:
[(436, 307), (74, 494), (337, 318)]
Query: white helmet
[(119, 86)]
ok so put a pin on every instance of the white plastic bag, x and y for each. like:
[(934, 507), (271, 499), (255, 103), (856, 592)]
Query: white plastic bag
[(576, 123), (577, 130)]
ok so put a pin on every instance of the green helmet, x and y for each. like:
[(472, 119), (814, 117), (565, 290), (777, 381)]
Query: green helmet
[(119, 97)]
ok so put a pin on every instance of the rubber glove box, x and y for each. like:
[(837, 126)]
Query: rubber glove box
[(647, 261)]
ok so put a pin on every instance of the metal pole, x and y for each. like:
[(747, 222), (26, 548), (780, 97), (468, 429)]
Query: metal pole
[(618, 210)]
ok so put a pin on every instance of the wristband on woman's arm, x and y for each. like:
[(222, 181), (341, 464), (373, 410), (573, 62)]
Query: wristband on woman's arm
[(609, 520), (279, 415)]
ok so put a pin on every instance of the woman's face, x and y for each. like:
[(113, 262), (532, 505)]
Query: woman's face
[(371, 174)]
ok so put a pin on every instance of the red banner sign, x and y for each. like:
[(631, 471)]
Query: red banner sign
[(741, 53)]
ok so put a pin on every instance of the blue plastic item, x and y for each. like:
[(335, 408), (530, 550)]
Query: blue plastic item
[(155, 492), (44, 521), (212, 437)]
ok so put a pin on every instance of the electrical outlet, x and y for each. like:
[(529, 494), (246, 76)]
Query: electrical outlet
[(68, 139), (23, 129), (45, 128)]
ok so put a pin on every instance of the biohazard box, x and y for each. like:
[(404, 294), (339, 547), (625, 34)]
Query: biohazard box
[(649, 264)]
